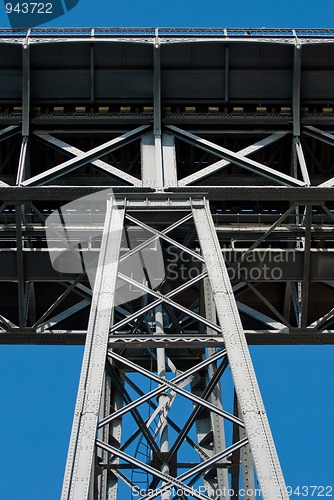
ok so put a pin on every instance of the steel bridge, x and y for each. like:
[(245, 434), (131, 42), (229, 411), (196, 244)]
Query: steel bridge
[(215, 148)]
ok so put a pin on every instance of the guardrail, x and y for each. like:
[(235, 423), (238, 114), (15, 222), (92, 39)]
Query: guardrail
[(169, 32)]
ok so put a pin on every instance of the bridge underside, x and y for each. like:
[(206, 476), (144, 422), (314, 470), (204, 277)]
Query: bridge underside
[(218, 144)]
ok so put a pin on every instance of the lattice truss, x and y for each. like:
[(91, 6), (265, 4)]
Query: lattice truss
[(239, 203), (154, 368), (278, 251), (203, 376)]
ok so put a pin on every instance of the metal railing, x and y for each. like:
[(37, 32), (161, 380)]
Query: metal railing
[(169, 32)]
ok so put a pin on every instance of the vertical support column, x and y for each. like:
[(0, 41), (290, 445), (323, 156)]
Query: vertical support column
[(151, 160), (169, 160), (267, 465), (111, 433), (157, 85), (219, 441), (161, 370), (20, 265), (92, 67), (25, 110), (297, 146), (103, 435), (20, 209), (296, 87), (227, 69), (248, 472), (151, 143), (81, 450), (26, 86), (157, 111), (307, 263)]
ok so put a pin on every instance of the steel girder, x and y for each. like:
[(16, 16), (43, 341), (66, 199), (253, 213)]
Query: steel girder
[(161, 465), (248, 237), (81, 448), (161, 161), (84, 158), (240, 160), (257, 428)]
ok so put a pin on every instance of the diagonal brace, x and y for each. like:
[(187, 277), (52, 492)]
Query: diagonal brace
[(88, 157), (151, 470), (201, 467), (162, 388), (171, 384), (101, 165), (221, 164), (237, 158)]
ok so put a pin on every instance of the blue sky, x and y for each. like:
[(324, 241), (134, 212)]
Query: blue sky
[(38, 383)]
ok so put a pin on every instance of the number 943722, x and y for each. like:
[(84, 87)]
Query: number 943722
[(29, 8)]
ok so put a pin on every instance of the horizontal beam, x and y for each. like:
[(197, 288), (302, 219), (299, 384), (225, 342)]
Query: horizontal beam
[(309, 195), (204, 119), (297, 336), (312, 195), (269, 265)]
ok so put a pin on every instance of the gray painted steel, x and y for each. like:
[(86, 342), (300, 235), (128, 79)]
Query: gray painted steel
[(225, 161), (256, 424), (81, 447)]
